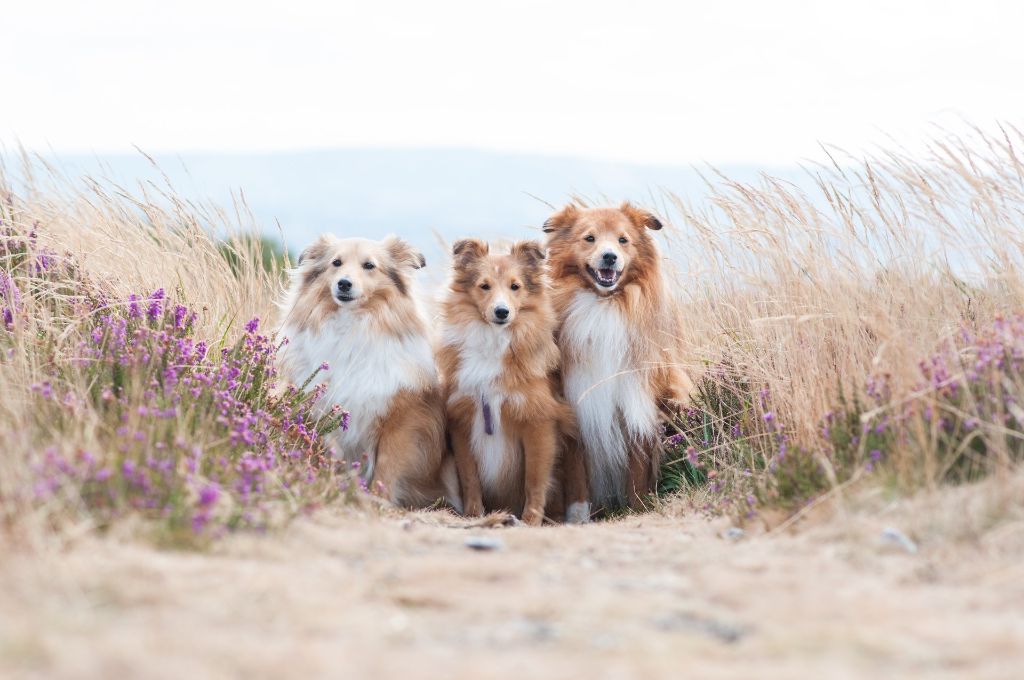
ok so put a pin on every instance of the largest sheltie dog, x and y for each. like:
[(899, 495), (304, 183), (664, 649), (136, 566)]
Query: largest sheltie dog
[(351, 304), (616, 336), (498, 358)]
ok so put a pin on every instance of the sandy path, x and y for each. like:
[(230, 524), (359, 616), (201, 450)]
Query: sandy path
[(359, 594)]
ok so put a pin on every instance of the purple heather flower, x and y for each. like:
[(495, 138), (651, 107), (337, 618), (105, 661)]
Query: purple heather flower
[(209, 495), (325, 366), (252, 325), (133, 307), (180, 312), (155, 308)]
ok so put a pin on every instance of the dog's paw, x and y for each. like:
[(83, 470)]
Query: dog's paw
[(474, 508), (533, 517), (578, 513)]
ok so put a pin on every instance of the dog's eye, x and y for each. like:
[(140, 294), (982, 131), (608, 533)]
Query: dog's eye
[(485, 286), (515, 286), (368, 265), (623, 240), (337, 262), (589, 239)]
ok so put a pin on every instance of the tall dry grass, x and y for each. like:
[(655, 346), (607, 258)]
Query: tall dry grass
[(806, 315), (74, 252), (843, 285)]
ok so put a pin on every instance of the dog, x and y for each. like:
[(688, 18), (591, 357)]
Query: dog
[(351, 304), (617, 336), (499, 357)]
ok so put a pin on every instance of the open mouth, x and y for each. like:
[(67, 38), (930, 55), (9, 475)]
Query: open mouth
[(604, 277), (344, 298)]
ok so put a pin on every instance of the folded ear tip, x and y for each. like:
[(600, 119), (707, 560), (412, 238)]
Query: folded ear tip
[(654, 223), (422, 262)]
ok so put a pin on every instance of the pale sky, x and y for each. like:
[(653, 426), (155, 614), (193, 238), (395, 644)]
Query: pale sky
[(754, 81)]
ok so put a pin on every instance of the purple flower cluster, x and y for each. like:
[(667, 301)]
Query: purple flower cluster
[(201, 438), (972, 392)]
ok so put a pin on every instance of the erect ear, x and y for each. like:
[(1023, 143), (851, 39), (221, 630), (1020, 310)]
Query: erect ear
[(404, 254), (316, 250), (528, 252), (561, 219), (468, 249), (640, 217)]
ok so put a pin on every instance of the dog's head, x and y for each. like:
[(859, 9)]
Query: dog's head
[(499, 287), (354, 272), (605, 247)]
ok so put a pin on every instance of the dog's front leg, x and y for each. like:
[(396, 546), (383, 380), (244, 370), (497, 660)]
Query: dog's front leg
[(540, 443), (465, 463)]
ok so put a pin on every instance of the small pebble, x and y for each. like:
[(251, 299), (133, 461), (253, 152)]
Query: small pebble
[(484, 543), (896, 537), (733, 533)]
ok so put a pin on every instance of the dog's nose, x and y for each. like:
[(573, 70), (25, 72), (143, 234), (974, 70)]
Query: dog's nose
[(609, 258), (344, 285), (501, 313)]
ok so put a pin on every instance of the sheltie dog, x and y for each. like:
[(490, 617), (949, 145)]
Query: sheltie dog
[(498, 356), (617, 336), (351, 304)]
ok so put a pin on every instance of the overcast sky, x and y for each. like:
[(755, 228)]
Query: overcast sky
[(677, 82)]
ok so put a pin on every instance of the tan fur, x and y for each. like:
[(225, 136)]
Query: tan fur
[(643, 302), (411, 450), (409, 434), (531, 416)]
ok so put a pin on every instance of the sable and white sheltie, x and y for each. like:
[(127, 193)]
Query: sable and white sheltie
[(498, 356), (351, 304), (617, 336)]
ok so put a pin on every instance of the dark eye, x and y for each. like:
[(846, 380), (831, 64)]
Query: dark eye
[(515, 286), (337, 262), (368, 265), (485, 286), (623, 240), (589, 239)]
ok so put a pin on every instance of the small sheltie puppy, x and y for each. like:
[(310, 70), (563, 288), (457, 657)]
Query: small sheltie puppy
[(351, 304), (617, 336), (498, 356)]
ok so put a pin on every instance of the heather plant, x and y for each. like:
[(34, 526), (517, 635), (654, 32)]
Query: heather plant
[(131, 411), (195, 436)]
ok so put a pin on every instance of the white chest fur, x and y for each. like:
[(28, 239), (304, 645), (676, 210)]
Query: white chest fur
[(367, 369), (609, 391), (482, 349)]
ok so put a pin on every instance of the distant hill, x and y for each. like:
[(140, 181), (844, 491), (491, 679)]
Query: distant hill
[(373, 192)]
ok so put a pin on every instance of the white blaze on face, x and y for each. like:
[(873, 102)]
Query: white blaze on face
[(498, 307), (352, 280)]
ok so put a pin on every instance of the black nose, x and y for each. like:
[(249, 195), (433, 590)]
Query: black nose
[(344, 285), (501, 313), (609, 258)]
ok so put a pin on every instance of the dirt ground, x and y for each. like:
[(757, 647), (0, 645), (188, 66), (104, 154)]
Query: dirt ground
[(367, 594)]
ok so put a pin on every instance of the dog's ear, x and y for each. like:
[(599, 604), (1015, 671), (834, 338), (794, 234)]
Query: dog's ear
[(562, 219), (468, 249), (315, 250), (404, 254), (640, 217), (528, 252)]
